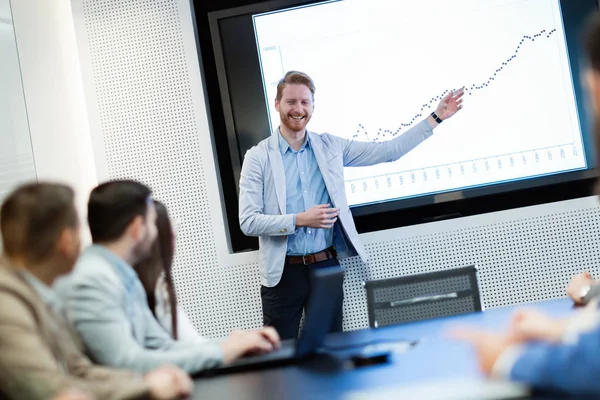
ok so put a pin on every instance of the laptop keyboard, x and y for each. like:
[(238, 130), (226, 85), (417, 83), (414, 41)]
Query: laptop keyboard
[(287, 350)]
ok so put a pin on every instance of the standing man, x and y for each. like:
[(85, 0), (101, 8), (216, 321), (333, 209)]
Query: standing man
[(292, 194)]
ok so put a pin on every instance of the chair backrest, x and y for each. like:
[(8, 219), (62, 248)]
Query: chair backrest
[(423, 296)]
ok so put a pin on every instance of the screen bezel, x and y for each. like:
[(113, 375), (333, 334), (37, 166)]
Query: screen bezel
[(394, 213)]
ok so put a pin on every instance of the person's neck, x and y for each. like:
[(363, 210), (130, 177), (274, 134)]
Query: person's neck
[(45, 271), (293, 138), (121, 249)]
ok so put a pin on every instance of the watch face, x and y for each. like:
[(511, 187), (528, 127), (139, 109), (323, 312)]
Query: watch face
[(584, 291)]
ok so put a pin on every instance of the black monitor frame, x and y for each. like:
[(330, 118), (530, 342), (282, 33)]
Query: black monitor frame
[(220, 100)]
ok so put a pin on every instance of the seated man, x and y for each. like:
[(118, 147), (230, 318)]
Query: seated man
[(38, 358), (561, 355), (105, 301)]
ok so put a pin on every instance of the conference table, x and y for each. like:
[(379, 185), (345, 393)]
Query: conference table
[(421, 355)]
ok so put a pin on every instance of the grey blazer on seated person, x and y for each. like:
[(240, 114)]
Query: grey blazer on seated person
[(106, 304)]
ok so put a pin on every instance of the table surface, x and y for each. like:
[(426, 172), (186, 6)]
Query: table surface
[(434, 358)]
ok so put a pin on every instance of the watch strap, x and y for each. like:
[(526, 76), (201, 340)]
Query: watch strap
[(437, 119)]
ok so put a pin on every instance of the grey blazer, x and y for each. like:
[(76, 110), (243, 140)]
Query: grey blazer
[(105, 303), (262, 203)]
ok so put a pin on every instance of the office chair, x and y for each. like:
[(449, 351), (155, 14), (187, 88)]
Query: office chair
[(423, 296)]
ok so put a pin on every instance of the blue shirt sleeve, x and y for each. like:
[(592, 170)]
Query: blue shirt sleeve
[(572, 368)]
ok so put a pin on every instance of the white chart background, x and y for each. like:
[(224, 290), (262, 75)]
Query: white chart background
[(382, 66)]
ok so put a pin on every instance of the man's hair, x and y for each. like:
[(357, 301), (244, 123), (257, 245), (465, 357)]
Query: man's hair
[(113, 206), (295, 78), (32, 218)]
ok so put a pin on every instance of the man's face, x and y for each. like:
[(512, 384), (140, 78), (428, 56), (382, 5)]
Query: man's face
[(69, 246), (148, 233), (74, 247), (295, 107)]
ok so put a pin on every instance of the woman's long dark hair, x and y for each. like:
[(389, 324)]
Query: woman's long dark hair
[(160, 261)]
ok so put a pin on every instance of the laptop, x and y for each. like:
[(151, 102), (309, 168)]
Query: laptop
[(326, 291)]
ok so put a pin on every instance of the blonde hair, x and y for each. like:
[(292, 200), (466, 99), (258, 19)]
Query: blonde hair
[(295, 78)]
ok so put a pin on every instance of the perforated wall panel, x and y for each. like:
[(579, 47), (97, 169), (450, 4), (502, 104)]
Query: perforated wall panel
[(522, 255), (149, 122)]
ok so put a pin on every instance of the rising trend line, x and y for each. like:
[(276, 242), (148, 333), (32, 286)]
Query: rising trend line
[(381, 133)]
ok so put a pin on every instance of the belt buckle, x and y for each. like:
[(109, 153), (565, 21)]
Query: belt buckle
[(304, 259)]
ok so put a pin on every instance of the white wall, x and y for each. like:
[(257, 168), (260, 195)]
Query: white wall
[(16, 155), (54, 94)]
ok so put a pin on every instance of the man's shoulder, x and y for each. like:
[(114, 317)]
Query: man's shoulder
[(324, 137), (91, 269), (15, 290), (10, 280), (91, 262), (261, 147), (327, 141)]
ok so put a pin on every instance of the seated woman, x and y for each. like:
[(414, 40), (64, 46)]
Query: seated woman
[(155, 274)]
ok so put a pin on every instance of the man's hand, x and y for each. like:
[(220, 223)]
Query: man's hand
[(319, 216), (240, 343), (450, 104), (530, 324), (488, 346), (577, 284), (168, 382)]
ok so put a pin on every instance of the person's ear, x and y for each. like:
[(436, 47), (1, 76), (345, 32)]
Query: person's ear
[(136, 228), (69, 242), (277, 105)]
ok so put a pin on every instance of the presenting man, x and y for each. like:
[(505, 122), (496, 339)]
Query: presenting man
[(292, 194)]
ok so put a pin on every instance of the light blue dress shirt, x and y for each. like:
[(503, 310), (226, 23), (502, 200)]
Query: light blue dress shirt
[(135, 294), (305, 188), (106, 304), (263, 205)]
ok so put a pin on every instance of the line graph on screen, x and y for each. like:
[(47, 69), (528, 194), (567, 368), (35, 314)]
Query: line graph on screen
[(376, 81)]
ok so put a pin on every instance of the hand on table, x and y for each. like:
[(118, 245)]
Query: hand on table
[(488, 346), (530, 324), (240, 343)]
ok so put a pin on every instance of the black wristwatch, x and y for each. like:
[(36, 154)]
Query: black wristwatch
[(437, 119)]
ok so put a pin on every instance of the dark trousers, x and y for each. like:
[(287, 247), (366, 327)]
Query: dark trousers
[(283, 303)]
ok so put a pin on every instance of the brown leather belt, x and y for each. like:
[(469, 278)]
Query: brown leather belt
[(309, 259)]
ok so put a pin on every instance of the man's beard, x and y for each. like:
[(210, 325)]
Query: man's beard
[(291, 124), (142, 250)]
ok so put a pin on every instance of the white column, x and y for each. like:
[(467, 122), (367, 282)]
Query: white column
[(52, 81)]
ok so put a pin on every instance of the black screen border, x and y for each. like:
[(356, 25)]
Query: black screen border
[(226, 125)]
